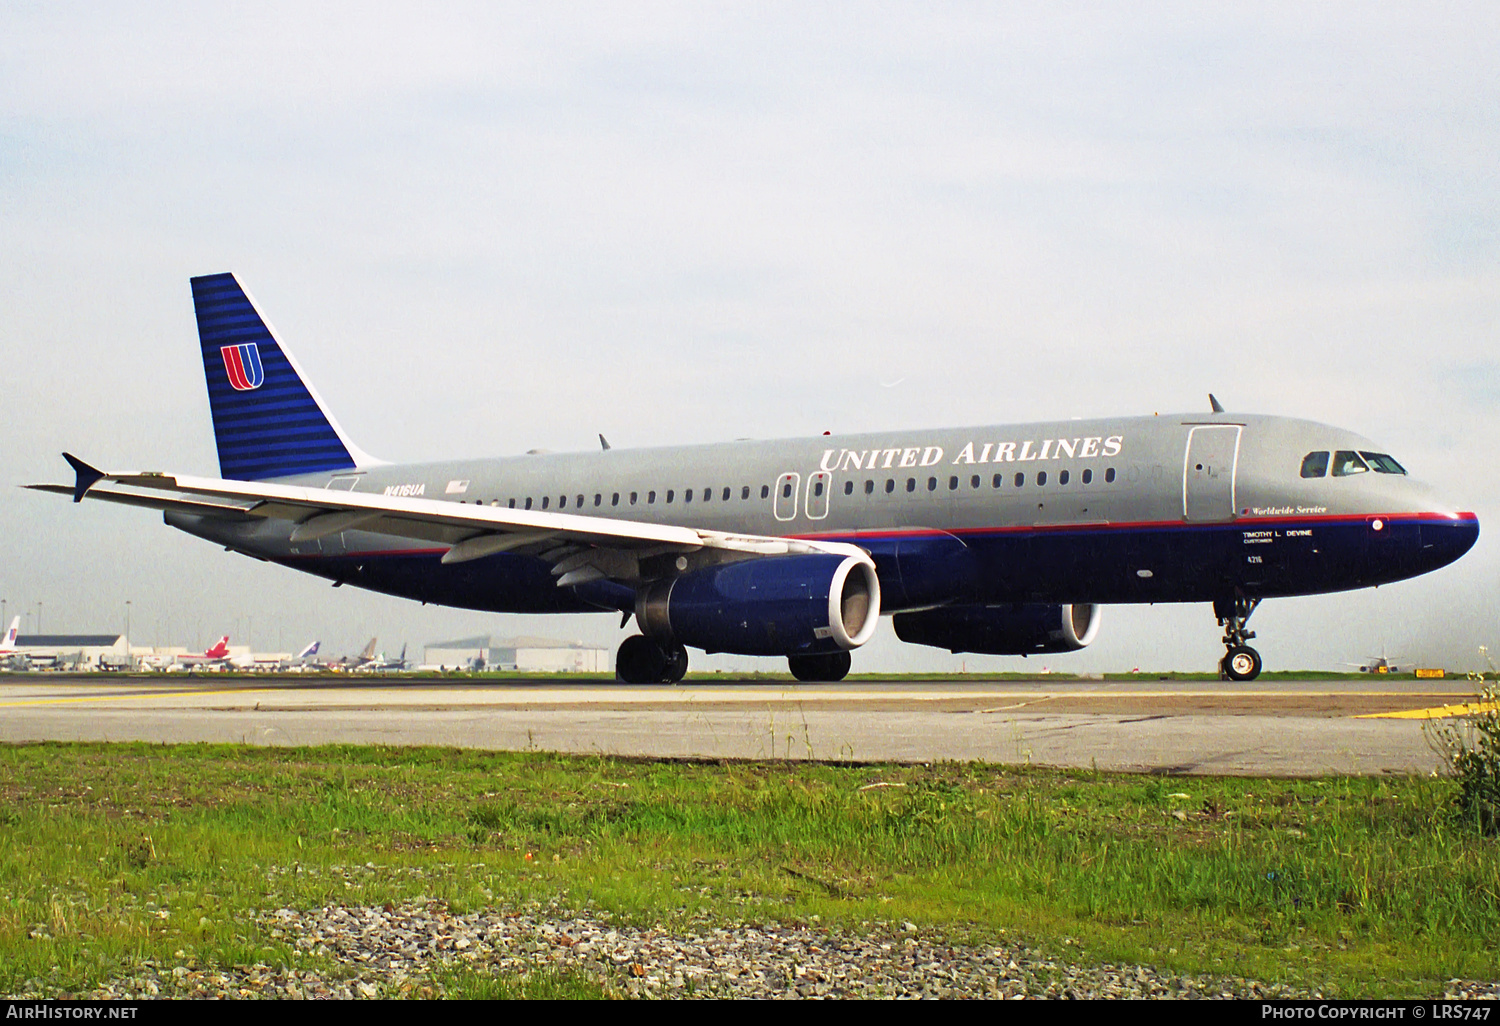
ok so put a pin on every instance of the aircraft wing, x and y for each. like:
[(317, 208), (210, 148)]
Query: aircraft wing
[(582, 548)]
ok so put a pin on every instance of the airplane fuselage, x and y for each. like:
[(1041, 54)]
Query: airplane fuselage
[(1182, 508)]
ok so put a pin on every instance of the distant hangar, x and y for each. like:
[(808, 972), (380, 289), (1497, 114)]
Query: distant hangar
[(525, 655)]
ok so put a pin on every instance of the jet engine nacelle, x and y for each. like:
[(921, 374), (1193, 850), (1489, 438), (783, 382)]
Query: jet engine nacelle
[(780, 605), (1001, 630)]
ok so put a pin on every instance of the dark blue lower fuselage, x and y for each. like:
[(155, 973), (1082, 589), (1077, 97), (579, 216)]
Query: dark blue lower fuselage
[(1114, 563)]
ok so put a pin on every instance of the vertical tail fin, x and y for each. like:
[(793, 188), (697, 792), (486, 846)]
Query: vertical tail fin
[(9, 644), (268, 421)]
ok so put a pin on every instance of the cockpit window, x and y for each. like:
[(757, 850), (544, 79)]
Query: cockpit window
[(1382, 464), (1346, 463), (1315, 464)]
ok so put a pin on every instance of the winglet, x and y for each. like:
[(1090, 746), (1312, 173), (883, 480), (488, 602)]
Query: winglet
[(604, 442), (87, 476), (1214, 403)]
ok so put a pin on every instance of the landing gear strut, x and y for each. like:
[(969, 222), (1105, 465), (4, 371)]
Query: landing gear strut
[(643, 661), (1240, 662)]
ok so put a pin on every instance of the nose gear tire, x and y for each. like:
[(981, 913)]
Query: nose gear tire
[(1241, 662)]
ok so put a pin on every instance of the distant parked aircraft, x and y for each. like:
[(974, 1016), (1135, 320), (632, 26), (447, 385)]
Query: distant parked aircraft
[(365, 657), (381, 664), (215, 655)]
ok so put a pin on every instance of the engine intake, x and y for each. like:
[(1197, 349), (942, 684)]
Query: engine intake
[(1001, 630), (781, 605)]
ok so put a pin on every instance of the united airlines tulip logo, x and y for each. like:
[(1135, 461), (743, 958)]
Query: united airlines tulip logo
[(242, 364)]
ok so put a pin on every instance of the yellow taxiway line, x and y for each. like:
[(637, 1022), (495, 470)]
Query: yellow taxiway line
[(1439, 712), (73, 699)]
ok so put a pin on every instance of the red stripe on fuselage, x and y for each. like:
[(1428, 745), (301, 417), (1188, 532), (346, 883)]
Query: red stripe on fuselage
[(1138, 525)]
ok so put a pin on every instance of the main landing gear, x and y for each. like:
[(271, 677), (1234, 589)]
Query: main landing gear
[(831, 667), (1240, 662), (643, 661)]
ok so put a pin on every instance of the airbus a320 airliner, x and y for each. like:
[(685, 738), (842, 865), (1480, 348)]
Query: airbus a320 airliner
[(1003, 539)]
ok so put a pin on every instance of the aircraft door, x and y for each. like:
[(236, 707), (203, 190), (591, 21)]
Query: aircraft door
[(818, 486), (784, 502), (1208, 472)]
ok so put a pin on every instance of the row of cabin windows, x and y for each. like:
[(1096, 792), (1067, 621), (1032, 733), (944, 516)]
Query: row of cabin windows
[(975, 481), (634, 498)]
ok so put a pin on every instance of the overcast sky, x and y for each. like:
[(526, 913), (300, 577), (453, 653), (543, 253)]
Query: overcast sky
[(486, 229)]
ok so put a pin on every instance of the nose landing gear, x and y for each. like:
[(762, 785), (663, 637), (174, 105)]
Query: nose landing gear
[(1240, 662)]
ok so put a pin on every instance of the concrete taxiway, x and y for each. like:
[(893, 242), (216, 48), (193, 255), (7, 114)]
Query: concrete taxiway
[(1285, 727)]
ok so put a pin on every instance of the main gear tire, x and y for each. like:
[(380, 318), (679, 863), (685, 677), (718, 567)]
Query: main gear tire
[(827, 668), (676, 664), (641, 661)]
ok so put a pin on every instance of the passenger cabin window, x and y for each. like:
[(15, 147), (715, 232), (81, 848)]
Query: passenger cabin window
[(512, 503), (911, 484), (869, 487), (932, 484), (745, 492), (614, 499), (1088, 476), (996, 482), (528, 502), (670, 493), (562, 502), (580, 502), (651, 496), (1041, 477), (1315, 464), (545, 500), (1020, 480), (1347, 464), (1109, 476), (632, 497), (974, 481), (1381, 463), (765, 490), (725, 496), (890, 485), (952, 483), (848, 487), (1062, 477), (687, 496), (708, 494), (598, 499)]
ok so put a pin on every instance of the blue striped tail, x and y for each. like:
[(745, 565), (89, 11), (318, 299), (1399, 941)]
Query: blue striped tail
[(268, 422)]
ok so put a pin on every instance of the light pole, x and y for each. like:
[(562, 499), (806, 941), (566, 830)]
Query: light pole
[(39, 616), (127, 623)]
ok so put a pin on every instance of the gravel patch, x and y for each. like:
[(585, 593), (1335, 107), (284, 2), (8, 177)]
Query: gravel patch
[(403, 951)]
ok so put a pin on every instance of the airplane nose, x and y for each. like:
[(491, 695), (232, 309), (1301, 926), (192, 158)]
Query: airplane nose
[(1443, 541)]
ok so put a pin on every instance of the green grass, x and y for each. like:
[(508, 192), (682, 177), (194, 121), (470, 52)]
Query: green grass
[(111, 854)]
